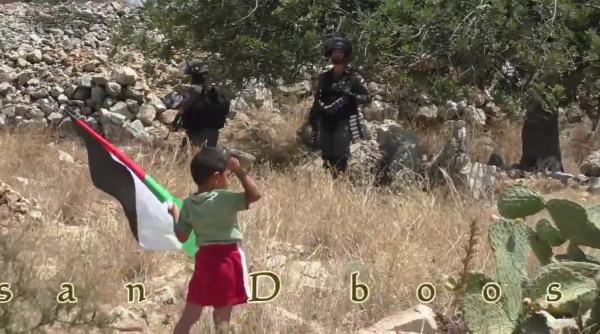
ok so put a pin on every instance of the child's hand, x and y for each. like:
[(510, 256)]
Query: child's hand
[(172, 208), (233, 164)]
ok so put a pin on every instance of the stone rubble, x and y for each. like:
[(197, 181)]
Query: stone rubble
[(56, 58), (16, 210), (419, 319)]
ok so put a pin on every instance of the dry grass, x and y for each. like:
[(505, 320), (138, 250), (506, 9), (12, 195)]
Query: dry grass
[(582, 144), (270, 137), (397, 240)]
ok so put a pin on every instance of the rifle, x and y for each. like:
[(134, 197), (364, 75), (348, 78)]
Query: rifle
[(175, 125), (174, 102)]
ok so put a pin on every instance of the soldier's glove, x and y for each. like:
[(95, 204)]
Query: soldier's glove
[(335, 106), (346, 91), (174, 101)]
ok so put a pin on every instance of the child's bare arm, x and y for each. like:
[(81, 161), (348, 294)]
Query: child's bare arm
[(251, 191), (178, 227)]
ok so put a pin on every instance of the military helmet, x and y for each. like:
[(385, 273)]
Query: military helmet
[(196, 66), (338, 43)]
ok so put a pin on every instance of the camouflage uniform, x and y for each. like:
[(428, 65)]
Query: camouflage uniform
[(335, 115)]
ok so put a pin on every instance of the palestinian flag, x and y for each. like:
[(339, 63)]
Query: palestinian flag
[(143, 200)]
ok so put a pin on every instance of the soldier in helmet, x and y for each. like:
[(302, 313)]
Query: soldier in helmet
[(205, 110), (334, 114)]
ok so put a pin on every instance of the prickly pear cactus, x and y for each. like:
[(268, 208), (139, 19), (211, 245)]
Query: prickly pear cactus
[(587, 270), (542, 250), (509, 241), (480, 316), (518, 201), (549, 233), (572, 285), (578, 223)]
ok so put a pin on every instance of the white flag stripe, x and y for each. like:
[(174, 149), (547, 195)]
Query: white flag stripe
[(154, 223)]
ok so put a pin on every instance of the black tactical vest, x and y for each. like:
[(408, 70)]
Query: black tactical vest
[(208, 107), (329, 94)]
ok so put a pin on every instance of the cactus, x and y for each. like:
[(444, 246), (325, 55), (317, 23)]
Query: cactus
[(573, 222), (549, 233), (578, 223), (573, 285), (587, 270), (542, 250), (509, 241), (512, 313), (480, 316), (581, 276), (518, 201)]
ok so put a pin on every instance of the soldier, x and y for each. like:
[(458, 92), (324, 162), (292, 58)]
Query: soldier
[(334, 114), (205, 110)]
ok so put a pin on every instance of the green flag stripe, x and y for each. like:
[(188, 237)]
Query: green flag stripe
[(163, 195)]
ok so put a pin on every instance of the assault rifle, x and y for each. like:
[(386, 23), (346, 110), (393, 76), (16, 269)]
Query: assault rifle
[(174, 101)]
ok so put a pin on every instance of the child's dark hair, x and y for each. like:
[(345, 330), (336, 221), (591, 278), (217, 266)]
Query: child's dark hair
[(206, 163)]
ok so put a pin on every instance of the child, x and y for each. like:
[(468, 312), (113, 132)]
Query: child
[(220, 277)]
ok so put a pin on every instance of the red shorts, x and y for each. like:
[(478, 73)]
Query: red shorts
[(220, 277)]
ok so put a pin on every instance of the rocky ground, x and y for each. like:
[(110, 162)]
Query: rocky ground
[(55, 58), (80, 238), (306, 270), (61, 57)]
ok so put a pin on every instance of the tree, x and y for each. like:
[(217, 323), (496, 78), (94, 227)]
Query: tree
[(443, 47)]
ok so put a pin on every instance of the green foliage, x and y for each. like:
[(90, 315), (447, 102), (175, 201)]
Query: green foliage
[(509, 241), (549, 233), (541, 248), (511, 251), (518, 201), (575, 271), (577, 223), (442, 47), (511, 314), (573, 285), (577, 274), (481, 316)]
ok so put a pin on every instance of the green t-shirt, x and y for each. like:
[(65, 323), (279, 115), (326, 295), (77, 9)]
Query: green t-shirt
[(213, 216)]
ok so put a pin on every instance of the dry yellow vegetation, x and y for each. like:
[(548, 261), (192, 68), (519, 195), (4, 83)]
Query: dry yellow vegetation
[(396, 242)]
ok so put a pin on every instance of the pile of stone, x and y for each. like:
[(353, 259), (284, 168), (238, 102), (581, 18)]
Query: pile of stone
[(56, 57), (53, 59), (421, 107)]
